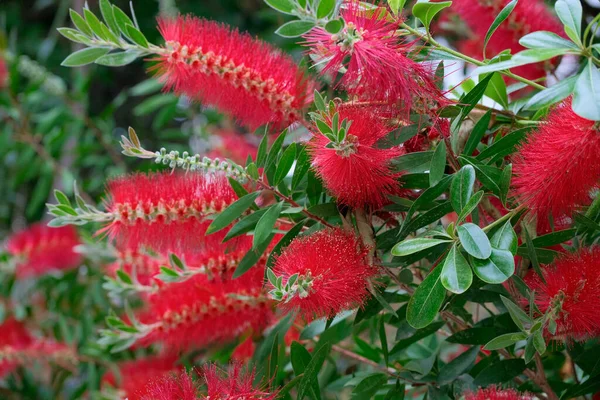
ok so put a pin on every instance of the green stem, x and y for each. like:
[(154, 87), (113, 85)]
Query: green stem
[(471, 60)]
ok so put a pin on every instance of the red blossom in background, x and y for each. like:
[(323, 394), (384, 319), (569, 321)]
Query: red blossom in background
[(135, 375), (233, 146), (376, 62), (360, 175), (40, 249), (172, 387), (333, 265), (572, 293), (3, 73), (244, 351), (242, 76), (236, 383), (165, 211), (558, 166), (198, 312), (496, 393), (527, 17)]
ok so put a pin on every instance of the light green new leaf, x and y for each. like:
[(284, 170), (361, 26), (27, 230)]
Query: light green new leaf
[(552, 95), (500, 18), (294, 29), (586, 97), (570, 13), (412, 246), (426, 11), (84, 56), (505, 340), (546, 40)]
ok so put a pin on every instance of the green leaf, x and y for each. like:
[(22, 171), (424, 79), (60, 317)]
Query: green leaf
[(119, 59), (496, 90), (109, 16), (274, 357), (137, 37), (412, 246), (383, 339), (470, 206), (505, 183), (461, 189), (94, 23), (122, 20), (283, 6), (251, 258), (504, 146), (301, 168), (285, 164), (461, 364), (80, 23), (570, 13), (497, 268), (546, 40), (505, 238), (500, 18), (500, 371), (294, 29), (84, 56), (418, 335), (438, 164), (62, 198), (553, 94), (427, 300), (554, 238), (275, 150), (419, 161), (334, 26), (396, 5), (325, 8), (539, 342), (519, 317), (474, 241), (505, 340), (312, 369), (586, 96), (524, 57), (477, 133), (74, 35), (369, 385), (456, 276), (531, 251), (264, 227), (232, 212), (426, 11)]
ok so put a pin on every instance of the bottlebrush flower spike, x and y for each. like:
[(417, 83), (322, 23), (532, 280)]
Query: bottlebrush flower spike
[(3, 73), (495, 393), (559, 165), (375, 59), (164, 211), (327, 271), (198, 311), (233, 146), (40, 249), (172, 387), (244, 351), (357, 173), (527, 17), (571, 293), (240, 75), (136, 374), (236, 383)]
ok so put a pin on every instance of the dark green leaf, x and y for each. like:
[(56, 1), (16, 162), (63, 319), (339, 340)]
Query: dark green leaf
[(367, 387), (426, 301), (383, 339), (519, 317), (302, 166), (232, 212), (499, 372), (505, 340), (284, 241), (470, 206), (312, 369), (325, 8), (505, 238), (413, 162), (265, 225), (458, 366), (456, 276), (504, 146), (496, 90), (497, 268), (418, 335), (461, 189), (474, 336), (252, 257), (477, 133), (504, 183), (261, 155), (438, 164), (554, 238), (285, 164), (415, 245), (474, 241), (531, 251)]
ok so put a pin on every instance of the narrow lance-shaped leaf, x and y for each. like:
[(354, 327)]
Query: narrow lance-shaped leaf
[(427, 300)]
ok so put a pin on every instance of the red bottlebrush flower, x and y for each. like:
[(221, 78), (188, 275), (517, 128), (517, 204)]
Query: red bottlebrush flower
[(495, 393), (172, 387), (136, 374), (3, 73), (198, 311), (40, 249), (572, 293), (233, 146), (332, 273), (527, 17), (240, 75), (360, 174), (244, 351), (558, 166), (165, 211), (14, 337), (235, 384), (376, 62)]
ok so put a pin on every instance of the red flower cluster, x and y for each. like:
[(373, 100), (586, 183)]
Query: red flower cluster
[(3, 73), (360, 174), (333, 266), (40, 249), (559, 165), (245, 77), (233, 146), (19, 348), (199, 311), (572, 293), (527, 17), (244, 351), (135, 375), (376, 62), (172, 387), (235, 384), (496, 393), (165, 211)]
